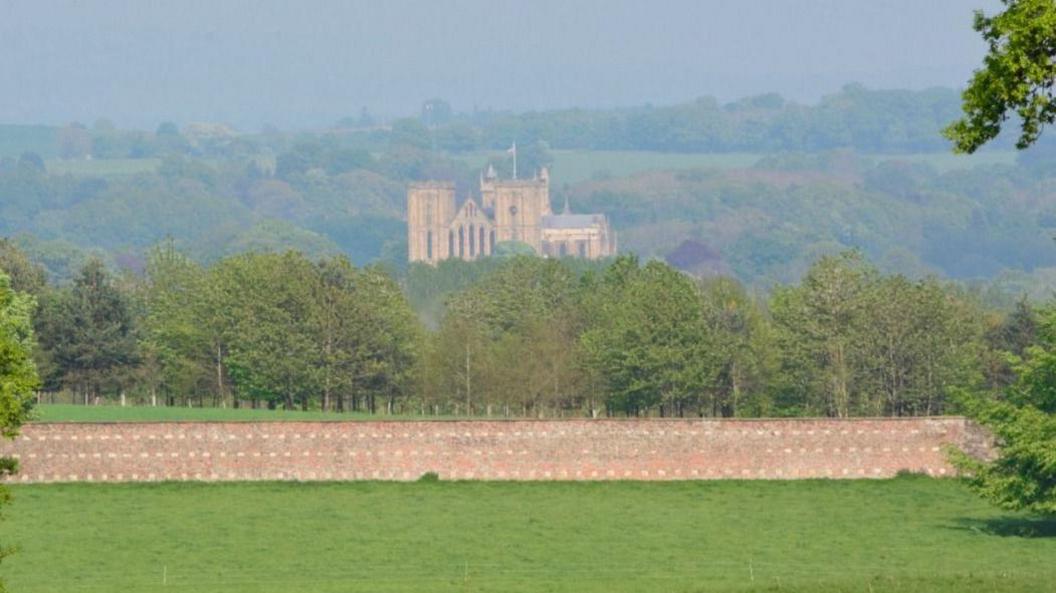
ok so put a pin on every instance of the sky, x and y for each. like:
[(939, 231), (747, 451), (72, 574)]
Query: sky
[(304, 64)]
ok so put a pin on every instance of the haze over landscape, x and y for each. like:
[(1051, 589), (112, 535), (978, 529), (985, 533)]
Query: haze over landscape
[(250, 63), (484, 296)]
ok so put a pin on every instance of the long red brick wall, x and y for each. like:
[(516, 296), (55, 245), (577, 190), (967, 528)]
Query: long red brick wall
[(490, 450)]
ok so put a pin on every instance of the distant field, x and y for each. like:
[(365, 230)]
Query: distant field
[(16, 139), (102, 167), (947, 161), (113, 413), (905, 535), (573, 166)]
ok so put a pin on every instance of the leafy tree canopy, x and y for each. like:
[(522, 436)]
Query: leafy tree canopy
[(1017, 76)]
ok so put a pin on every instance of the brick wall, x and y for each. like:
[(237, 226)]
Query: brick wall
[(493, 450)]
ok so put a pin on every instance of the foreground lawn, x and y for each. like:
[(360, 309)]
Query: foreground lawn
[(908, 534), (114, 413)]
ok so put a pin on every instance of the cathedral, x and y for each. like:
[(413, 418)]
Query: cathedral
[(509, 210)]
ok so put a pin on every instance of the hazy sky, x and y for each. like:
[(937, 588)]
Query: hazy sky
[(307, 63)]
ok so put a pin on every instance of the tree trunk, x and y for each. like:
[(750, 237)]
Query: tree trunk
[(219, 371), (469, 385)]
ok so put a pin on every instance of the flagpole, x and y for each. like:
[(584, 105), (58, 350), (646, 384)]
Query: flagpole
[(514, 150)]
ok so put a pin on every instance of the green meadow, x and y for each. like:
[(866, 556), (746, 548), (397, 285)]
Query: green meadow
[(909, 534)]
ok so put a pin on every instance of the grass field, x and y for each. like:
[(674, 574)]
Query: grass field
[(102, 167), (113, 413), (573, 166), (907, 535)]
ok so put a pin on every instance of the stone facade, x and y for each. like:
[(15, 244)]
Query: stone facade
[(491, 450), (508, 210)]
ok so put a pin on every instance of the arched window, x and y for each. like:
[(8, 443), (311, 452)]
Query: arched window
[(472, 241), (563, 249), (581, 246), (461, 241), (450, 243), (492, 243), (429, 245), (481, 242)]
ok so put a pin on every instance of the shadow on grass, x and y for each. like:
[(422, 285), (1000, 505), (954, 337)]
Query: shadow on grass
[(1031, 527)]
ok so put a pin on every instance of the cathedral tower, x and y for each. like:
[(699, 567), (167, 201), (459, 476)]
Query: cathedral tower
[(518, 206), (430, 208)]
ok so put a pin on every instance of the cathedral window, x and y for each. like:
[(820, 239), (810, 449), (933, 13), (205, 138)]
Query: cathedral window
[(472, 241)]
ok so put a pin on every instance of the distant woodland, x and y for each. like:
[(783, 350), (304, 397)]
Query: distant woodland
[(776, 254), (859, 170)]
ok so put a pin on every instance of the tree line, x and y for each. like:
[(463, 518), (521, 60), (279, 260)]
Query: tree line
[(526, 336), (536, 338), (275, 330), (856, 117)]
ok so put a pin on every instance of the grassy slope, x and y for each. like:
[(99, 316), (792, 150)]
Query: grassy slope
[(906, 535)]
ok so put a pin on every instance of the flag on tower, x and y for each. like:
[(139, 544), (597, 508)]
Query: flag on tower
[(513, 150)]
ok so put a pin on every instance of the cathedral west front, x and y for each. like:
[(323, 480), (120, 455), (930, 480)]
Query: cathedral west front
[(516, 210)]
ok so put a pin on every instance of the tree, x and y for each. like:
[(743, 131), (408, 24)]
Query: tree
[(920, 341), (648, 339), (25, 276), (88, 334), (819, 327), (1023, 476), (854, 342), (1018, 76), (382, 336), (410, 132), (457, 370), (1011, 335), (509, 340), (74, 141), (741, 339), (167, 128), (269, 297), (176, 330), (18, 375), (32, 161)]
